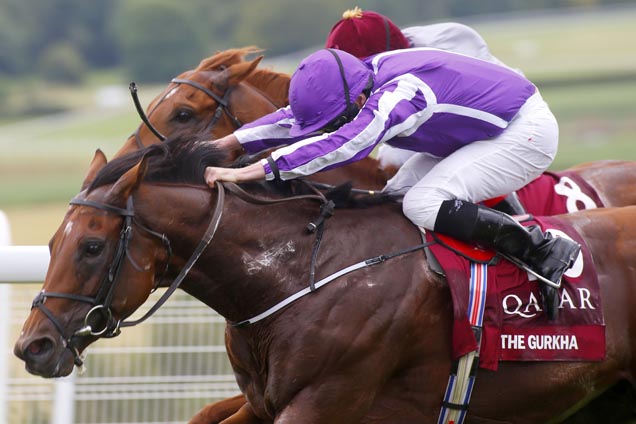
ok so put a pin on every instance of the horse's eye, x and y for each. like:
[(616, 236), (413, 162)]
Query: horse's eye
[(93, 248), (183, 116)]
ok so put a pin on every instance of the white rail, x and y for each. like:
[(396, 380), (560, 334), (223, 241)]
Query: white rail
[(23, 264)]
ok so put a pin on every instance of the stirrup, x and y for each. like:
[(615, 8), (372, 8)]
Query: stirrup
[(532, 272)]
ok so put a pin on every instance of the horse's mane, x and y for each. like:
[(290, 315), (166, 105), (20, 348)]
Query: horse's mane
[(181, 159), (274, 85)]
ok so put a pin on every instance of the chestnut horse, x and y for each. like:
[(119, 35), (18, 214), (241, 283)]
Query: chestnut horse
[(374, 346)]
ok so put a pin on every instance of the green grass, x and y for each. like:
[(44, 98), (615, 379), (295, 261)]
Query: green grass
[(565, 45), (596, 121)]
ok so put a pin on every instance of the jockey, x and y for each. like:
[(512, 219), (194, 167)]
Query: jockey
[(479, 130), (366, 33)]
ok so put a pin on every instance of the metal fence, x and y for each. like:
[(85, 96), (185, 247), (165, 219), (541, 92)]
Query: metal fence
[(162, 371)]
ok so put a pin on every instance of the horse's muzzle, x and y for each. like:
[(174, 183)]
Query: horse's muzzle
[(44, 356)]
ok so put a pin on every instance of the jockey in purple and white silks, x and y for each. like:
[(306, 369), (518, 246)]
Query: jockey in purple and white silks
[(479, 129)]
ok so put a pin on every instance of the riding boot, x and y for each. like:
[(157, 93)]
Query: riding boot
[(543, 254), (510, 205)]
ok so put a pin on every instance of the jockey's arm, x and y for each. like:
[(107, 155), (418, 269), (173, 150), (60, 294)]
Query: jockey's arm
[(252, 172), (229, 142)]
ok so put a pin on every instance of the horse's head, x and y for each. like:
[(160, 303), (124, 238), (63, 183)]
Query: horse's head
[(217, 97), (102, 268)]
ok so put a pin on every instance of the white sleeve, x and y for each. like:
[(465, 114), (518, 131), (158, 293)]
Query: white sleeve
[(453, 37)]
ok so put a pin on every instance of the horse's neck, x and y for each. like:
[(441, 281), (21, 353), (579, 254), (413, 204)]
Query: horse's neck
[(272, 84), (257, 256), (249, 104), (261, 254)]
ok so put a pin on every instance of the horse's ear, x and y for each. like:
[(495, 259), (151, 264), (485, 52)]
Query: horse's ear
[(98, 162), (123, 188), (240, 71)]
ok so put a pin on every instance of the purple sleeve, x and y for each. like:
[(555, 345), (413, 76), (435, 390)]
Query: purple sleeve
[(268, 132), (350, 143)]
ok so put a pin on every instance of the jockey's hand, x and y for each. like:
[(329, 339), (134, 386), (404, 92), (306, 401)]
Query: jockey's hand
[(252, 172), (229, 143), (214, 174)]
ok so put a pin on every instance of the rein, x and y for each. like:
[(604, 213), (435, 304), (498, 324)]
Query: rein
[(203, 244)]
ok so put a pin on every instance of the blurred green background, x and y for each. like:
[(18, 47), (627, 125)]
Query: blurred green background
[(65, 66)]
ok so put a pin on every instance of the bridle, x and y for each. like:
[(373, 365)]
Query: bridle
[(102, 301), (222, 107), (223, 102)]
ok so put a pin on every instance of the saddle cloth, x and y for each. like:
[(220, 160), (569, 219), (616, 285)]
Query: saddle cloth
[(557, 193), (514, 327)]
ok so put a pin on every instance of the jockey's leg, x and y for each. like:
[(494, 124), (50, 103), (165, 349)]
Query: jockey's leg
[(485, 170), (420, 164), (544, 254), (410, 173)]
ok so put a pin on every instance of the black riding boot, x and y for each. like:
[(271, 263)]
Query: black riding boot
[(511, 205), (544, 254)]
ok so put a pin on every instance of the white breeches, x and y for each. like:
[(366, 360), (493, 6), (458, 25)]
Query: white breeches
[(480, 170)]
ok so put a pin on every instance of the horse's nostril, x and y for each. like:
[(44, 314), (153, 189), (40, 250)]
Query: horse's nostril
[(39, 347)]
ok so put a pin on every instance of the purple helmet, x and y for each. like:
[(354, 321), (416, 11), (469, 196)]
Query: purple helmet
[(325, 87)]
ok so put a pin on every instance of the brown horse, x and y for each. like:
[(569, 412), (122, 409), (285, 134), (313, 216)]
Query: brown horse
[(372, 347), (221, 93)]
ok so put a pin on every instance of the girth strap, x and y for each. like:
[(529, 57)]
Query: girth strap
[(301, 293)]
